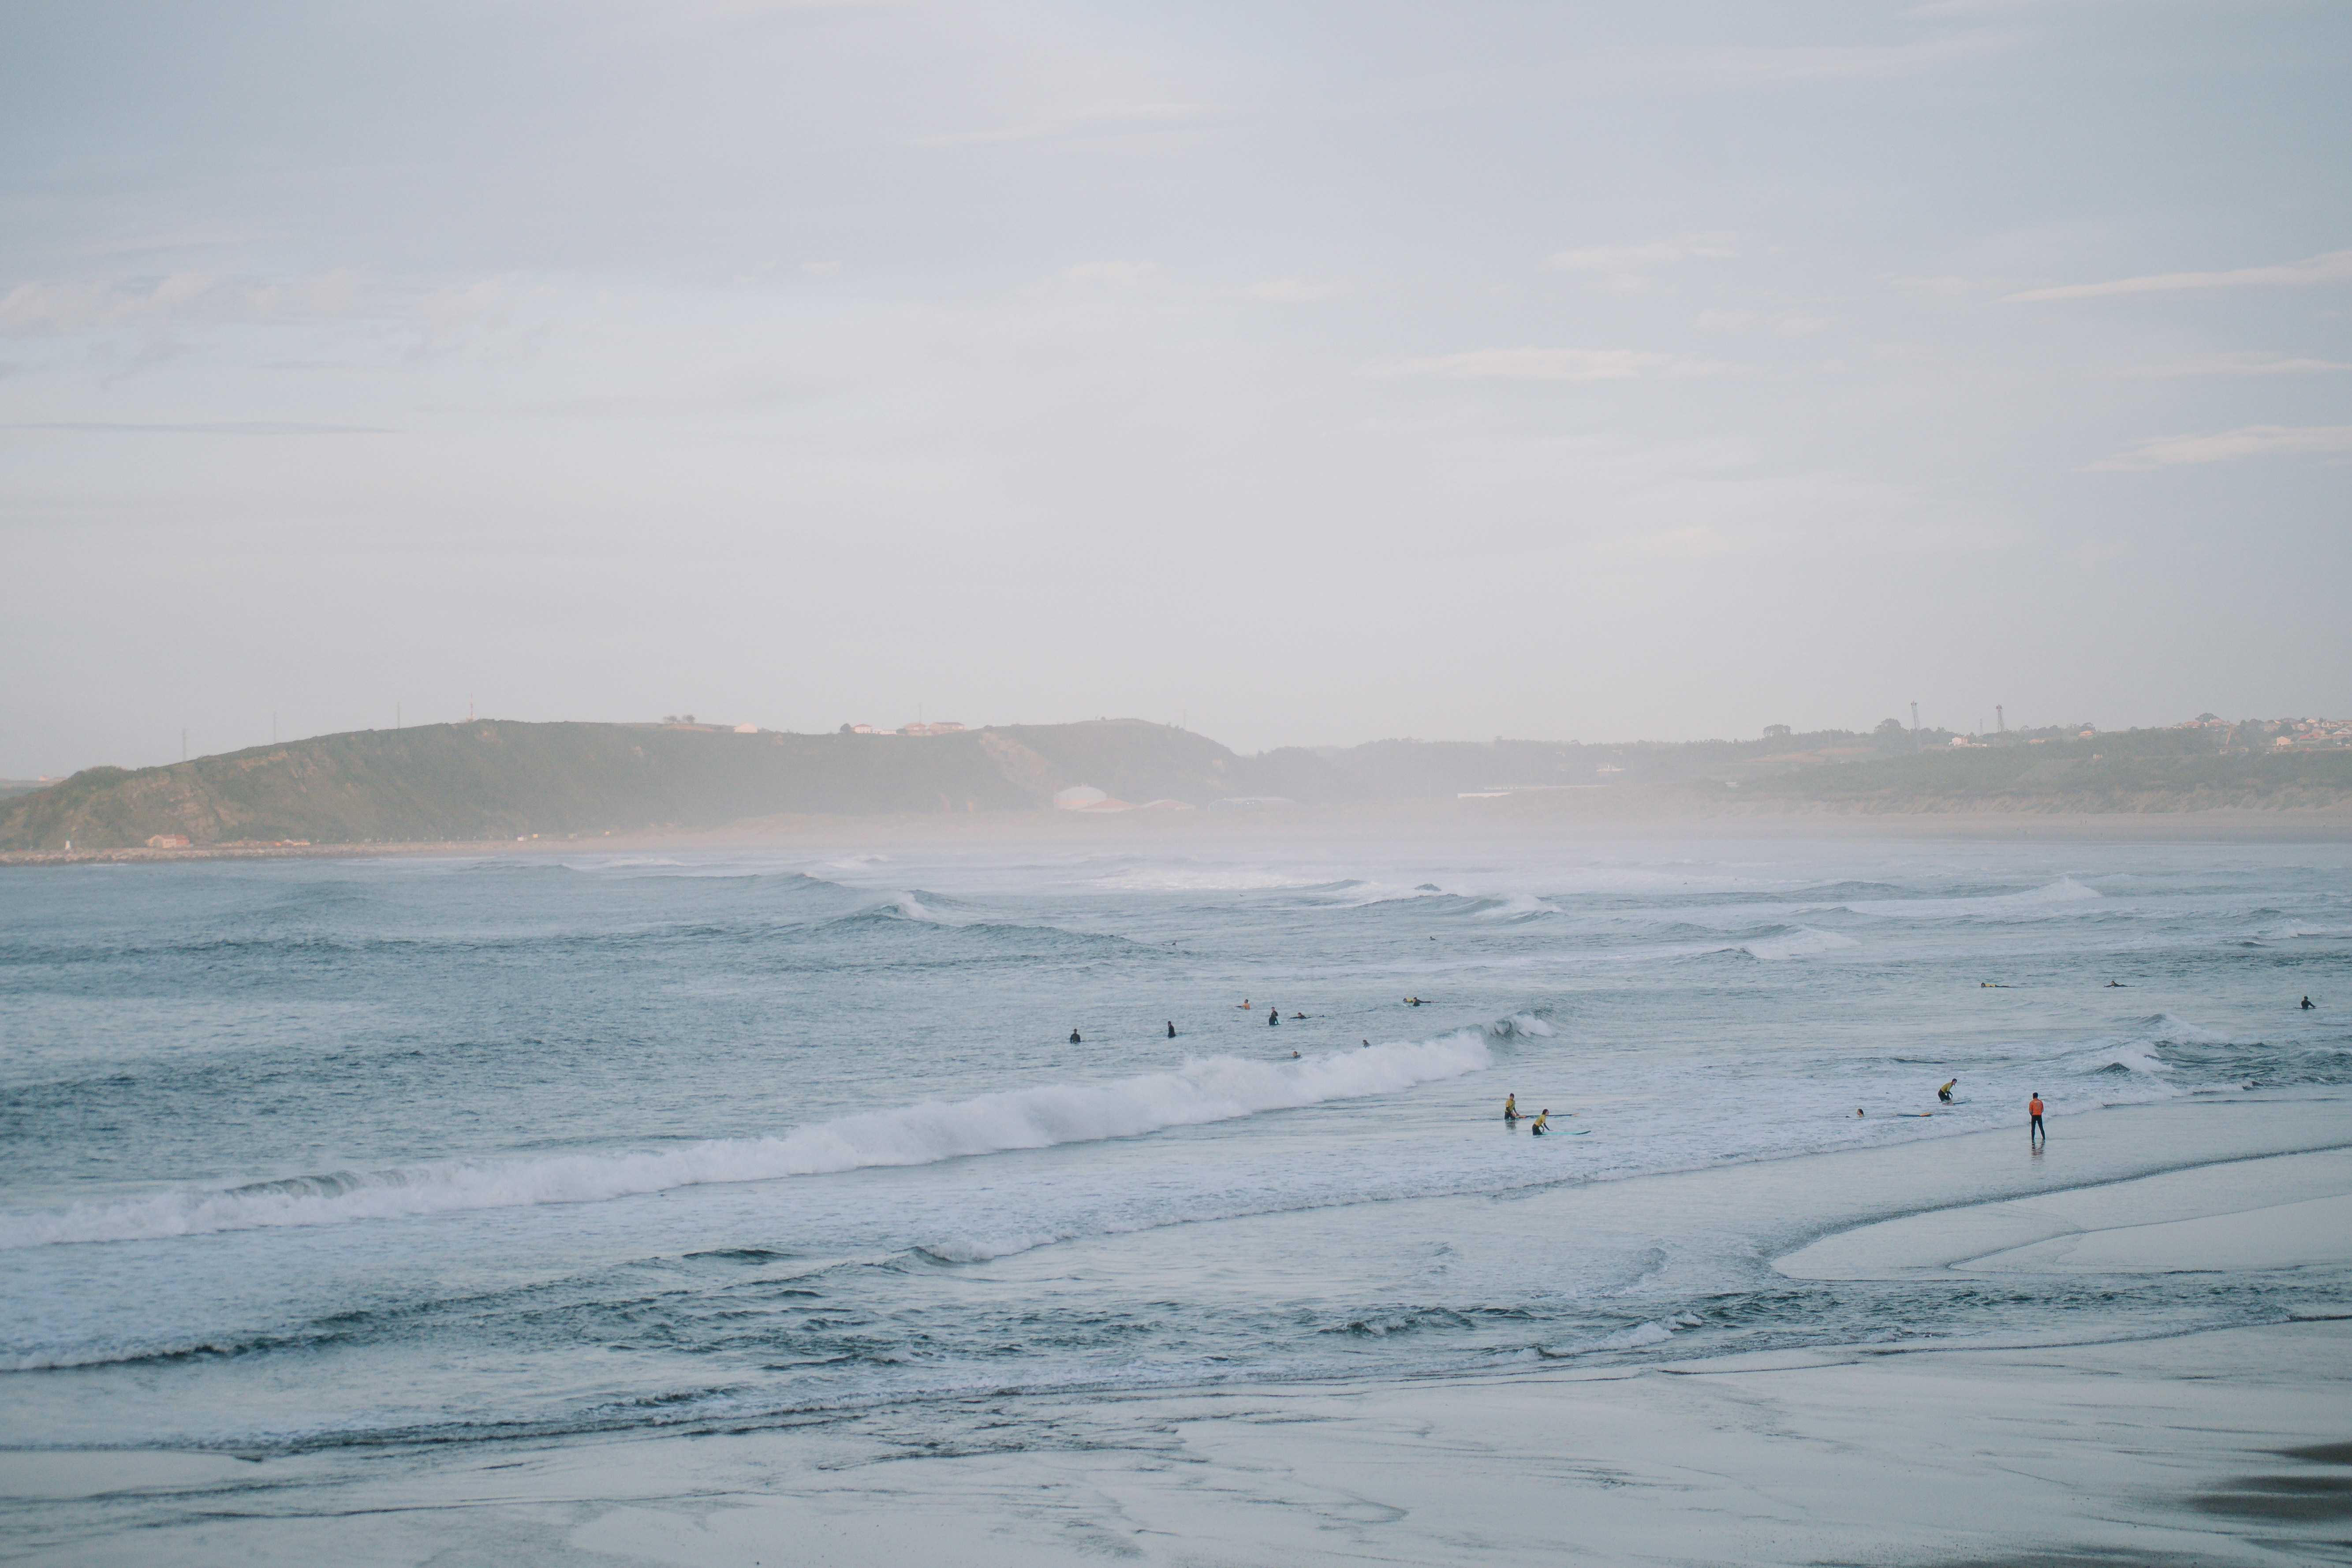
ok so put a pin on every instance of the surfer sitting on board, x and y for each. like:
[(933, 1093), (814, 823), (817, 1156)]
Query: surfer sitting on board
[(1543, 1120), (1945, 1093)]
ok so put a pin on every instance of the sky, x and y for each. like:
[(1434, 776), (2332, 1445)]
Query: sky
[(1305, 373)]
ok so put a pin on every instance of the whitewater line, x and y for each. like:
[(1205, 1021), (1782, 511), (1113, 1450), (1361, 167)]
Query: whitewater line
[(1205, 1089)]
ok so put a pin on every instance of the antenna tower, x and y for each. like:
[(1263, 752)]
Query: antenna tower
[(1999, 719)]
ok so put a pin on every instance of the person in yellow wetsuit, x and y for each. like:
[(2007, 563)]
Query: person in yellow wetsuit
[(1510, 1108), (1945, 1093), (1542, 1120)]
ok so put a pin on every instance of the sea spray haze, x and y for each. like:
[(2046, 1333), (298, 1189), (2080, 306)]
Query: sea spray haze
[(330, 1152)]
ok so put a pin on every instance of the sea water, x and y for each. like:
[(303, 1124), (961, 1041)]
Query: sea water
[(402, 1152)]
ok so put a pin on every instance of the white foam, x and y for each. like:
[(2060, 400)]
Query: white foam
[(2064, 891), (1804, 941), (1205, 1089)]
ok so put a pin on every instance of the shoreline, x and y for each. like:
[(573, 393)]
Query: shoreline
[(1438, 819)]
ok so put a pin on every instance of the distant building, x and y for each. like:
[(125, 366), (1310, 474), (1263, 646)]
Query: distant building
[(180, 840), (944, 727), (747, 729), (1079, 797)]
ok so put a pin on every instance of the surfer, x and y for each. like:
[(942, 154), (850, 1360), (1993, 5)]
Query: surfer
[(1413, 1002), (1542, 1120), (1274, 1017), (2115, 986), (1857, 1111), (1245, 1002), (1298, 1014), (2033, 1125), (1368, 1044), (1945, 1093), (1171, 1028), (1510, 1108), (1074, 1037), (2307, 1004), (1293, 1056)]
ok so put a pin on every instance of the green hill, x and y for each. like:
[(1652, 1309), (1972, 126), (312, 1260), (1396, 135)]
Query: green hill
[(491, 779), (495, 780)]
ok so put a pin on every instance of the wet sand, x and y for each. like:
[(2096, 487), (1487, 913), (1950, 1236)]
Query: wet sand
[(2231, 1446)]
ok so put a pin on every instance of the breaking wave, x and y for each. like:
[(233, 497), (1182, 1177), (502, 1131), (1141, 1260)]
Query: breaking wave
[(2064, 891), (1799, 941), (1205, 1089)]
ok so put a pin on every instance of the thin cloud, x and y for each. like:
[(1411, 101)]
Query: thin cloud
[(1628, 268), (1111, 273), (1125, 121), (2248, 441), (1552, 365), (218, 428), (1648, 254), (2334, 267), (1785, 324), (1813, 62), (186, 298), (2242, 364), (1290, 291)]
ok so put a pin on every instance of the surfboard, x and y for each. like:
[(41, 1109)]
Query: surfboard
[(1922, 1114)]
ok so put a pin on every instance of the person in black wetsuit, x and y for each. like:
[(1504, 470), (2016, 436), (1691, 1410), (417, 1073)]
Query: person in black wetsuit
[(1274, 1017), (2307, 1004), (1074, 1037), (1171, 1028)]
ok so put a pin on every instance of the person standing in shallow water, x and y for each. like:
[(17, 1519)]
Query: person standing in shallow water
[(1074, 1037), (2034, 1132), (1274, 1017), (1171, 1028)]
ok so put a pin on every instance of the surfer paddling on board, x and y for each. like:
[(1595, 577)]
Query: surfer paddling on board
[(1945, 1093), (1414, 1002)]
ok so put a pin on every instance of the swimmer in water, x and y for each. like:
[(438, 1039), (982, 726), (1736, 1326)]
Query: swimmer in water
[(1244, 1003), (1293, 1056)]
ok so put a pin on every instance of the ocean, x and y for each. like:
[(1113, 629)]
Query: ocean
[(401, 1153)]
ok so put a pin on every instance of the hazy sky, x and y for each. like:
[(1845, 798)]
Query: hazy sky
[(1312, 372)]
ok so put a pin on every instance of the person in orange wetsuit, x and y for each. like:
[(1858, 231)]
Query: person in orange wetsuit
[(2033, 1125)]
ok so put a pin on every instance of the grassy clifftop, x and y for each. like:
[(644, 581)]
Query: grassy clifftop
[(493, 779)]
